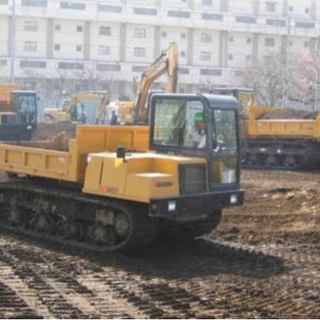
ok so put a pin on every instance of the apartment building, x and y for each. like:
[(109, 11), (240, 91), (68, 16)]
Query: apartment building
[(106, 44)]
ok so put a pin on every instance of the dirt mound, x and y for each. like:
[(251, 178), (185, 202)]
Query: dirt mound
[(46, 131), (289, 114)]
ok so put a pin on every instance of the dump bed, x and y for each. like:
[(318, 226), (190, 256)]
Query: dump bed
[(280, 128), (49, 161)]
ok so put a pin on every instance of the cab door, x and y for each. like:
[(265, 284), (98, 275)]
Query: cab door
[(225, 161)]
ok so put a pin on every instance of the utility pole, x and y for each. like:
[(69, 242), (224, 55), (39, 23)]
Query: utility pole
[(13, 39), (316, 90), (285, 84)]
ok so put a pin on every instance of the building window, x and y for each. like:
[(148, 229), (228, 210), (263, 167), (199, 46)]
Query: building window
[(104, 50), (205, 56), (71, 65), (291, 9), (246, 19), (108, 67), (72, 5), (164, 34), (205, 37), (30, 46), (211, 16), (183, 54), (183, 35), (307, 10), (210, 72), (145, 11), (79, 28), (183, 70), (306, 25), (57, 27), (33, 64), (207, 2), (139, 52), (57, 47), (248, 58), (269, 42), (248, 40), (230, 56), (33, 3), (276, 22), (31, 26), (306, 44), (107, 8), (105, 31), (3, 2), (231, 39), (79, 48), (140, 33), (178, 14), (270, 6), (3, 63)]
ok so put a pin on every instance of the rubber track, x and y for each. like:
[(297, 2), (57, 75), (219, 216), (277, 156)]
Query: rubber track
[(148, 231)]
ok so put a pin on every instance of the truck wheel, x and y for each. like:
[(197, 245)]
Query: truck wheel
[(194, 229)]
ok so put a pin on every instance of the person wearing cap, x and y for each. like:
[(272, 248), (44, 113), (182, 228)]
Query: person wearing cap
[(197, 137)]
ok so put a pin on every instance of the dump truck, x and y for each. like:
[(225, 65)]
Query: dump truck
[(18, 113), (135, 111), (73, 109), (117, 187), (276, 138)]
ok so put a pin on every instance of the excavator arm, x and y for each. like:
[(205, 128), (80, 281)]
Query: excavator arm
[(167, 63), (101, 112)]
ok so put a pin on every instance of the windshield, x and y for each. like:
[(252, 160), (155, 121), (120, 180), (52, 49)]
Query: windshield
[(180, 123), (26, 106)]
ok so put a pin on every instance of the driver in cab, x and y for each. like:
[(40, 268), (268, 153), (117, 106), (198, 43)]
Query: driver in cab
[(197, 138)]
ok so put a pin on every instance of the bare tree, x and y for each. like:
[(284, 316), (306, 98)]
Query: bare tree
[(267, 79)]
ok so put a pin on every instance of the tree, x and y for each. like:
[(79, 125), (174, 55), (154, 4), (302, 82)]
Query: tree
[(270, 78)]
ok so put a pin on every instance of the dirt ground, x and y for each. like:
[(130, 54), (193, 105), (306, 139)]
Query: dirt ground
[(262, 262), (289, 114), (46, 131)]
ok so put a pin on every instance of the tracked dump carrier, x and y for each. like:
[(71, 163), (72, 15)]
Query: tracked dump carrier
[(114, 188)]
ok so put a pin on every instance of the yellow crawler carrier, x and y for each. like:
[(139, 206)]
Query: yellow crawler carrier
[(275, 143), (115, 187)]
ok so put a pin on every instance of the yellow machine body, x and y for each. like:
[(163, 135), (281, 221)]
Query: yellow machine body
[(58, 115), (92, 161), (140, 177)]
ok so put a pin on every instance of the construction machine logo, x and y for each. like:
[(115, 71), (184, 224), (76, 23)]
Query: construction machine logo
[(107, 189), (164, 184)]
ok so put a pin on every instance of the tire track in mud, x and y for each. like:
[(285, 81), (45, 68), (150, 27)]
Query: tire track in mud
[(210, 279), (57, 305)]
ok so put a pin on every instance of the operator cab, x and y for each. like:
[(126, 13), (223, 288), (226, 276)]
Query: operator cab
[(20, 121), (203, 125)]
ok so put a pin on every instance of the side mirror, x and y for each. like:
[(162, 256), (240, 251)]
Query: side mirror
[(121, 153)]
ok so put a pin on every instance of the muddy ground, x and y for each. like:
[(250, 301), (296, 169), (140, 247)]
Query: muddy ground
[(262, 262)]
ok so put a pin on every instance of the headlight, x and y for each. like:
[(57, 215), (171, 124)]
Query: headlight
[(234, 199), (172, 206)]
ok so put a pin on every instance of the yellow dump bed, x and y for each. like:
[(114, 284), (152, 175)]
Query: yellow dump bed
[(48, 161), (280, 128)]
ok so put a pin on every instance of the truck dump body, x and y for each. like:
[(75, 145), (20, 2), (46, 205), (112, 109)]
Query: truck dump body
[(280, 128), (70, 165)]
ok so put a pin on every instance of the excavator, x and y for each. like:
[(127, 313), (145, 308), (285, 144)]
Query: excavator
[(130, 112), (71, 111), (18, 113)]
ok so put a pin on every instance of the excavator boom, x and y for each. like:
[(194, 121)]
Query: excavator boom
[(167, 63)]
